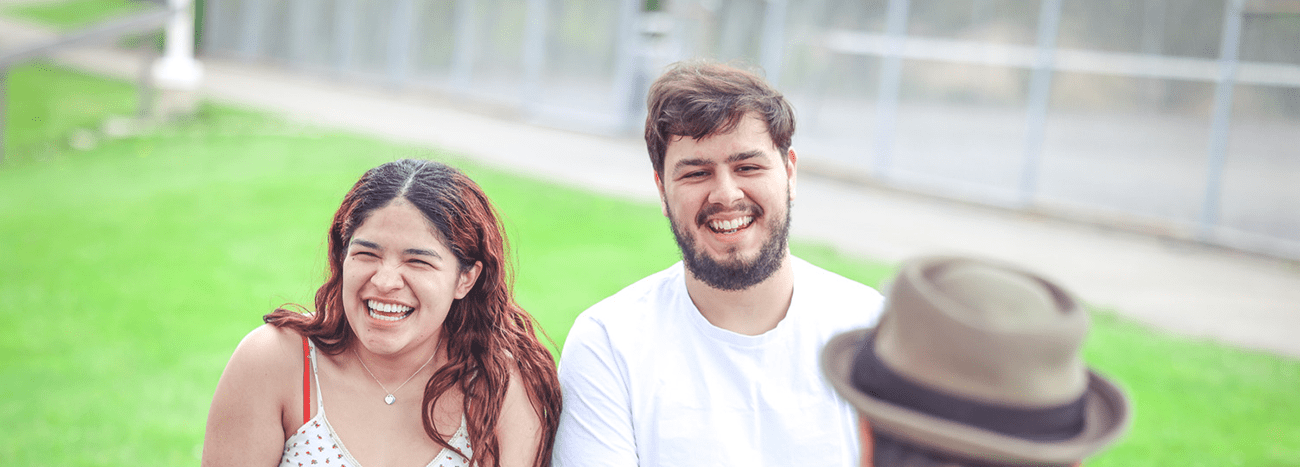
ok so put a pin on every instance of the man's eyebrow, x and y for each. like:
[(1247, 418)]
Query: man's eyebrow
[(701, 162), (696, 162), (743, 156)]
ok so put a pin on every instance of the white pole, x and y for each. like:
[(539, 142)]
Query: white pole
[(177, 69)]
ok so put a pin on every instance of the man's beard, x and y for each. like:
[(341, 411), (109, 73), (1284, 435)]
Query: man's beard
[(733, 274)]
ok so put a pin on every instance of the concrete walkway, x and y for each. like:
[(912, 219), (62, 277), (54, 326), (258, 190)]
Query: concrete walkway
[(1245, 300)]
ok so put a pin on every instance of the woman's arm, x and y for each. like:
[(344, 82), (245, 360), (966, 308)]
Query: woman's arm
[(246, 421), (519, 430)]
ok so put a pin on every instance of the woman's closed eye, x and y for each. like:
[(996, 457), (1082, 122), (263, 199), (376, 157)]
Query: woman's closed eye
[(420, 262)]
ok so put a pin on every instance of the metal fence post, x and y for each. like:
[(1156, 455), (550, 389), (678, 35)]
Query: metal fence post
[(891, 71), (399, 42), (300, 31), (534, 55), (1153, 29), (1040, 93), (1222, 116), (345, 23), (462, 56), (214, 26), (254, 19), (773, 46), (627, 63)]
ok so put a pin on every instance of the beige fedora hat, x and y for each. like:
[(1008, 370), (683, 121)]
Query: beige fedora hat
[(981, 360)]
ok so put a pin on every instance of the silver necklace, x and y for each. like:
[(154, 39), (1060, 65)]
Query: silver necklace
[(390, 398)]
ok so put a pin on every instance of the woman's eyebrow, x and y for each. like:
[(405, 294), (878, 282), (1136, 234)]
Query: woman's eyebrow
[(409, 251), (365, 243), (417, 251)]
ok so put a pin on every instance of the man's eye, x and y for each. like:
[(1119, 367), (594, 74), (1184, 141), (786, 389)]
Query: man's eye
[(696, 174)]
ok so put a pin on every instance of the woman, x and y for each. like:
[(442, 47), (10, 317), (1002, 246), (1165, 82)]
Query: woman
[(417, 293)]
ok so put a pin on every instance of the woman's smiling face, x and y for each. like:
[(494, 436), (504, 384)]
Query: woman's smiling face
[(399, 280)]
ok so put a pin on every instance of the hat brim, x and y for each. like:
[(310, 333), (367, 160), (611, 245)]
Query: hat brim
[(1106, 416)]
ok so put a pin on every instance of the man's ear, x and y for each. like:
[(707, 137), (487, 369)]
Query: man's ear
[(663, 199), (791, 170), (866, 442)]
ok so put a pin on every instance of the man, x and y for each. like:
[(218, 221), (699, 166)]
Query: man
[(975, 363), (713, 361)]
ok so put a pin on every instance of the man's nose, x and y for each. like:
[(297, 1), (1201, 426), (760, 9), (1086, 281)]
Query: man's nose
[(726, 191)]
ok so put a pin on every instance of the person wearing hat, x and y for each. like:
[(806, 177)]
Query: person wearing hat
[(975, 363)]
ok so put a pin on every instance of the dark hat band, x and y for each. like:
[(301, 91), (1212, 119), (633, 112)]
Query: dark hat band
[(873, 377)]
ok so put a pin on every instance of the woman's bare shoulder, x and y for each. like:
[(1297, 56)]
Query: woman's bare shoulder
[(519, 430), (254, 399), (269, 359), (270, 348)]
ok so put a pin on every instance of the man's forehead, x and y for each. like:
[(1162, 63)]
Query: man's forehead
[(747, 136), (700, 157), (749, 122)]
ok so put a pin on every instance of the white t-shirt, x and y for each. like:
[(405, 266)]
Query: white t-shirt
[(648, 381)]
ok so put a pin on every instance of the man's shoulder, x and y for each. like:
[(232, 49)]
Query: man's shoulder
[(636, 305), (835, 300), (827, 282)]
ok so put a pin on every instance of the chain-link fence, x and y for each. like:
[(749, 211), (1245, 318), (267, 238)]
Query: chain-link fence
[(1176, 117)]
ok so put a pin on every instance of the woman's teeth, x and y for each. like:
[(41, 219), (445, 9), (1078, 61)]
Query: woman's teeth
[(731, 225), (383, 311)]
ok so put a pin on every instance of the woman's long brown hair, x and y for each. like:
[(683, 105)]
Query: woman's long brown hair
[(486, 332)]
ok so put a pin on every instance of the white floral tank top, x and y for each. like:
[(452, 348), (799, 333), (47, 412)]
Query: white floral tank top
[(316, 444)]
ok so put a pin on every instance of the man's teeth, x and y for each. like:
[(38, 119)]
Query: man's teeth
[(731, 225), (378, 307)]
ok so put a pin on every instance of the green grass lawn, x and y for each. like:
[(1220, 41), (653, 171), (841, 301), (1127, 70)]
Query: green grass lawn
[(67, 15), (128, 273)]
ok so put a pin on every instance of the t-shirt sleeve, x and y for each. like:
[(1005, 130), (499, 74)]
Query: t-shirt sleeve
[(596, 422)]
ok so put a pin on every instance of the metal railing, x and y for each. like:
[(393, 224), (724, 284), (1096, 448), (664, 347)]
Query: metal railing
[(106, 31), (526, 55), (858, 71), (1045, 58)]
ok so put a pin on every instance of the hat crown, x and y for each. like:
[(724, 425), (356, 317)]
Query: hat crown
[(981, 362), (984, 331), (995, 298)]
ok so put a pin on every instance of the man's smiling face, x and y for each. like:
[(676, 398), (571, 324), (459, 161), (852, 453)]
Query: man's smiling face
[(728, 199)]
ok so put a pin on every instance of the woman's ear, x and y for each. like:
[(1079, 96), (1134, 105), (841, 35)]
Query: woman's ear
[(468, 277)]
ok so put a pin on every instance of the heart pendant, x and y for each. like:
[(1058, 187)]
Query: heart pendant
[(389, 399)]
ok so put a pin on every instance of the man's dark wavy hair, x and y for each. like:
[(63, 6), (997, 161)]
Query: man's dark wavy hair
[(699, 98)]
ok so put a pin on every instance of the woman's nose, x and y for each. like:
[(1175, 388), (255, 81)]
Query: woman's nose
[(387, 277)]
